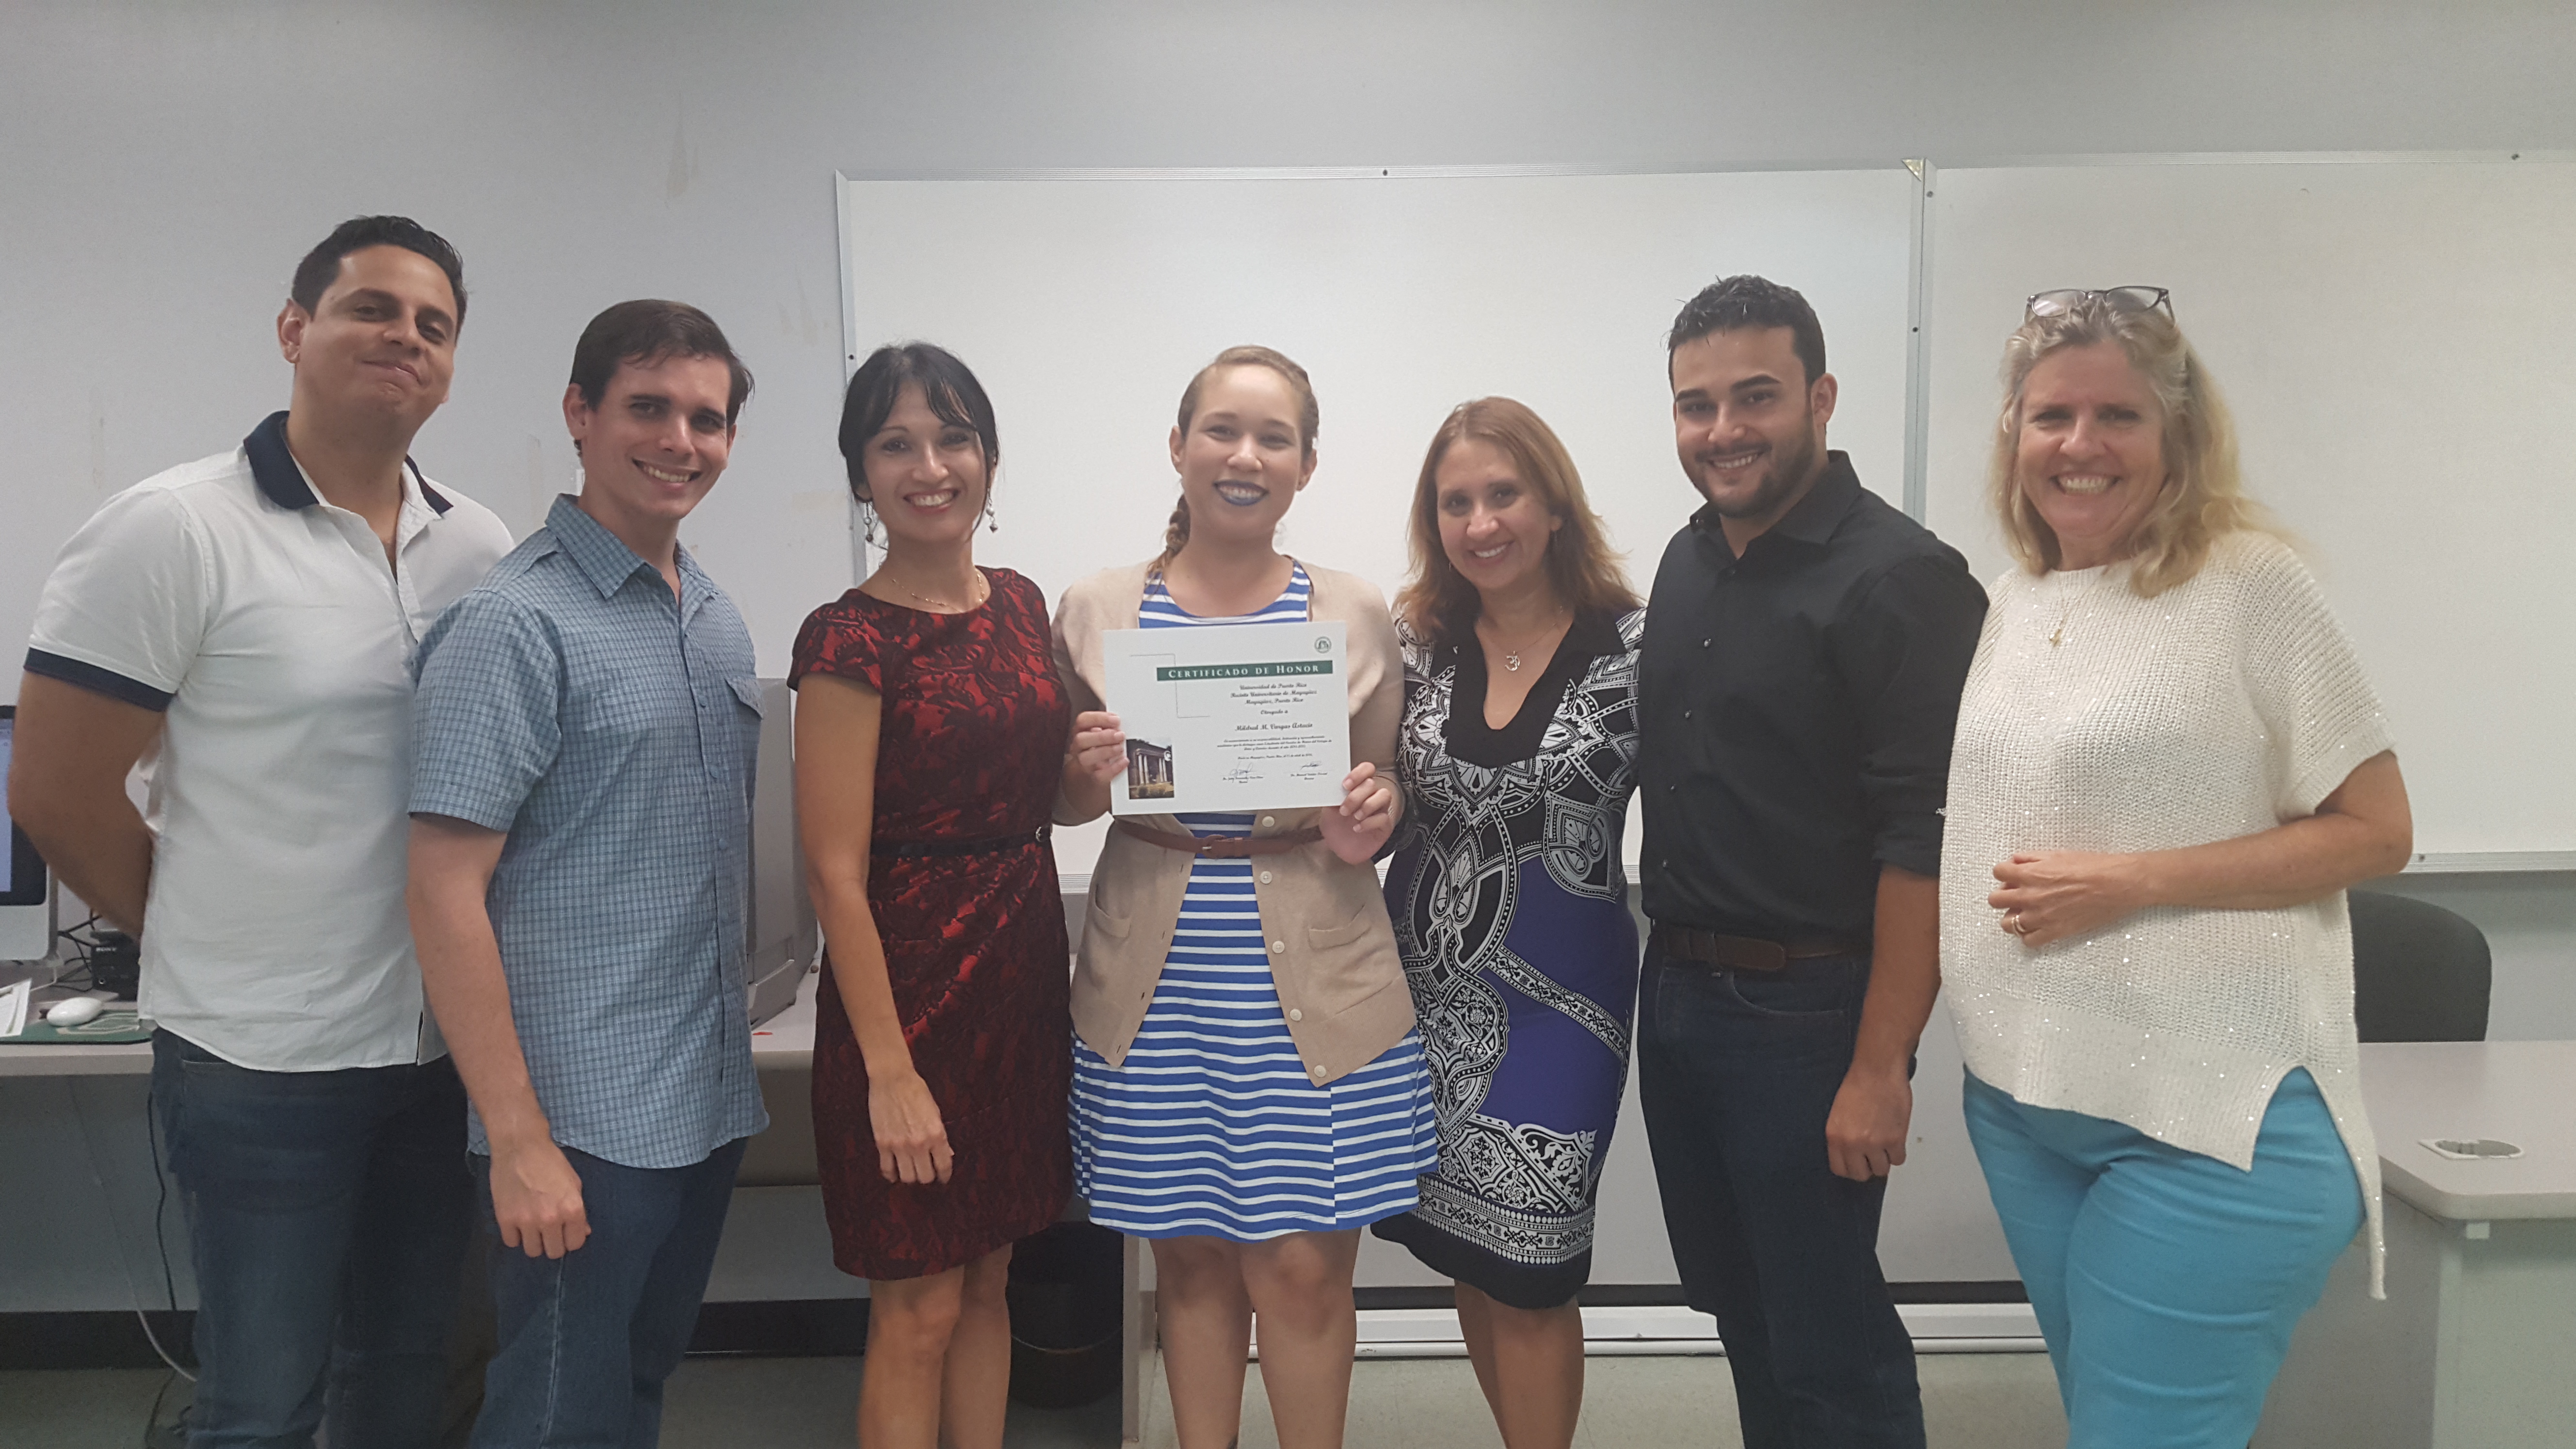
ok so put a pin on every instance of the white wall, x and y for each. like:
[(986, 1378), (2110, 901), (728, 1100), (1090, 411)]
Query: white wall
[(162, 167)]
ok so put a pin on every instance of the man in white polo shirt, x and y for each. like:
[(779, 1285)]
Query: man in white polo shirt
[(248, 621)]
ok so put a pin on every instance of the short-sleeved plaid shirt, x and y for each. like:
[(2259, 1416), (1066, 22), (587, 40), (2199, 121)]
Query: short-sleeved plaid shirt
[(613, 733)]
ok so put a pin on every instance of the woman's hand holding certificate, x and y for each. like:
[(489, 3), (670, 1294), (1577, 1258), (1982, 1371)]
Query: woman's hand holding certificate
[(1229, 717), (1356, 828)]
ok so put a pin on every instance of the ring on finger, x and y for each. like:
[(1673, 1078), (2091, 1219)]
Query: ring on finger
[(2013, 922)]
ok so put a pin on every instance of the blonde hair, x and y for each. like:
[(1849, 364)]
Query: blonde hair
[(1438, 602), (1177, 531), (2203, 498)]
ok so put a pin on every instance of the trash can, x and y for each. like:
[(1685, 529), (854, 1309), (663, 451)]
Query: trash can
[(1066, 1317)]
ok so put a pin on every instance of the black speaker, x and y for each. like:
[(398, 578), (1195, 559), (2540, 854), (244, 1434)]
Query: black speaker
[(116, 965)]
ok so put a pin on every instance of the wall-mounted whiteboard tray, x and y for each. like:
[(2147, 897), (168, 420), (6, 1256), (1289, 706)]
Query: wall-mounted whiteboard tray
[(2394, 337)]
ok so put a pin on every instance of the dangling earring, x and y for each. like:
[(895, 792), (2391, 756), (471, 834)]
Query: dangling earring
[(868, 519), (992, 520)]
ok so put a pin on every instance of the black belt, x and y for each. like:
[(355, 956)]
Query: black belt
[(1748, 953), (980, 845)]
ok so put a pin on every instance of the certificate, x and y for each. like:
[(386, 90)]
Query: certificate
[(1229, 716)]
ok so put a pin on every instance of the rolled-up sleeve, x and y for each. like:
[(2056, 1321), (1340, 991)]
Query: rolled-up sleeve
[(1903, 654), (486, 723)]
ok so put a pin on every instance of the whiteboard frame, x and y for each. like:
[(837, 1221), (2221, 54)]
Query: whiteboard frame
[(1918, 382)]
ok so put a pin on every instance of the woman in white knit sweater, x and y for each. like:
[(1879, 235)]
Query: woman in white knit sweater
[(2168, 768)]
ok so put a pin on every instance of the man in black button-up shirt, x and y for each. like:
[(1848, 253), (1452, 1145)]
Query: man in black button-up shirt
[(1805, 647)]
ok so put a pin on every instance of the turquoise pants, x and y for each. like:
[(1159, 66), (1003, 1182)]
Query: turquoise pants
[(2166, 1283)]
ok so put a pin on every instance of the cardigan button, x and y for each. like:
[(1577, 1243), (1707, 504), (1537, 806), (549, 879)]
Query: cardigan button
[(1319, 1071), (1278, 946), (1295, 1014), (1269, 819), (1265, 877)]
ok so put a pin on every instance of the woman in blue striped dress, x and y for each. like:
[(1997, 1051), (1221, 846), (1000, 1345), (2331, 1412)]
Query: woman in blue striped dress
[(1249, 1090)]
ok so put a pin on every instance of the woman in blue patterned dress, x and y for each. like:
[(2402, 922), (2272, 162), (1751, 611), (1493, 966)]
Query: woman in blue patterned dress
[(1518, 752), (1248, 1086)]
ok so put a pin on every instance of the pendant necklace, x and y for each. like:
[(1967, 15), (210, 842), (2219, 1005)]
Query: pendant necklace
[(2057, 635), (1512, 657)]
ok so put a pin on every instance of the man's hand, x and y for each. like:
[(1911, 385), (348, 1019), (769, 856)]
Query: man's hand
[(1865, 1135), (1865, 1132), (536, 1196)]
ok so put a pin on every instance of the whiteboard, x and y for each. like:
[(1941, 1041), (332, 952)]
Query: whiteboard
[(2398, 342), (1085, 303)]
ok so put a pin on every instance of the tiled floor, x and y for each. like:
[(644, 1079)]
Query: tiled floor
[(1989, 1401)]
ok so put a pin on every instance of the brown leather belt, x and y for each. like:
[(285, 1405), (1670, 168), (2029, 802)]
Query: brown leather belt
[(1748, 953), (1222, 847)]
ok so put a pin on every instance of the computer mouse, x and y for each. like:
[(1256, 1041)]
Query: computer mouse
[(75, 1012)]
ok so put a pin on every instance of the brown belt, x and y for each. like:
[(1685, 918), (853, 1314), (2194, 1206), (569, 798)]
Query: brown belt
[(1748, 953), (1223, 847)]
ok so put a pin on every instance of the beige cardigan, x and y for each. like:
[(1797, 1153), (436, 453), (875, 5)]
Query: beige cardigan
[(1332, 945)]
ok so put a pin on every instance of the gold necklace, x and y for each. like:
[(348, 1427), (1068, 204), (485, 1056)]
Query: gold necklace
[(983, 591), (1512, 657)]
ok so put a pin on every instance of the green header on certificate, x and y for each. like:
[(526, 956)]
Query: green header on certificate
[(1171, 673)]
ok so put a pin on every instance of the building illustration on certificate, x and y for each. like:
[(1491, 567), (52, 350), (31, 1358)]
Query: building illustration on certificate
[(1149, 770)]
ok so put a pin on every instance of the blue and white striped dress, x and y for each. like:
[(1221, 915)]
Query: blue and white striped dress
[(1211, 1126)]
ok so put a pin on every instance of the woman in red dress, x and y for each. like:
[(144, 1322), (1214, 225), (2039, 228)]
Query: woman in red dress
[(930, 738)]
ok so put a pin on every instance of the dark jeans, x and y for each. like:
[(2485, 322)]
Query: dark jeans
[(327, 1215), (1737, 1072), (587, 1339)]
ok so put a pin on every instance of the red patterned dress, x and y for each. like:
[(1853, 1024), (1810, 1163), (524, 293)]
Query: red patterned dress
[(962, 883)]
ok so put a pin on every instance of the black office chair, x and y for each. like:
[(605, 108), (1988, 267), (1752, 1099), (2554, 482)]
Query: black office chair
[(2419, 972)]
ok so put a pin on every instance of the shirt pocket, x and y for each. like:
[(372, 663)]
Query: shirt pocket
[(747, 721), (1349, 960)]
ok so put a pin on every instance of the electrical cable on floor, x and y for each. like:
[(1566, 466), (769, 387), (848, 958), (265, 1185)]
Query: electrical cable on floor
[(160, 1210), (152, 1419), (133, 1293)]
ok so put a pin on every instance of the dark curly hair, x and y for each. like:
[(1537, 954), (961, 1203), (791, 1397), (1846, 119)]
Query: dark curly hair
[(1731, 304)]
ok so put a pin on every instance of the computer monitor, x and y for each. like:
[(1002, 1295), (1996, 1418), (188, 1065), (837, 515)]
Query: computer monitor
[(27, 905)]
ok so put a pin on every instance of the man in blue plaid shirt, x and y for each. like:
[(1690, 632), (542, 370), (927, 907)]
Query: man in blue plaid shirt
[(586, 726)]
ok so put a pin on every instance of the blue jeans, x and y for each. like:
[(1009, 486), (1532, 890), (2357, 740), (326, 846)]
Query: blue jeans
[(327, 1217), (2166, 1283), (587, 1339), (1737, 1072)]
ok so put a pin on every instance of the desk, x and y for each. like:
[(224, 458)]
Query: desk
[(125, 1059), (775, 1245), (785, 1042), (2476, 1346), (73, 1124)]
